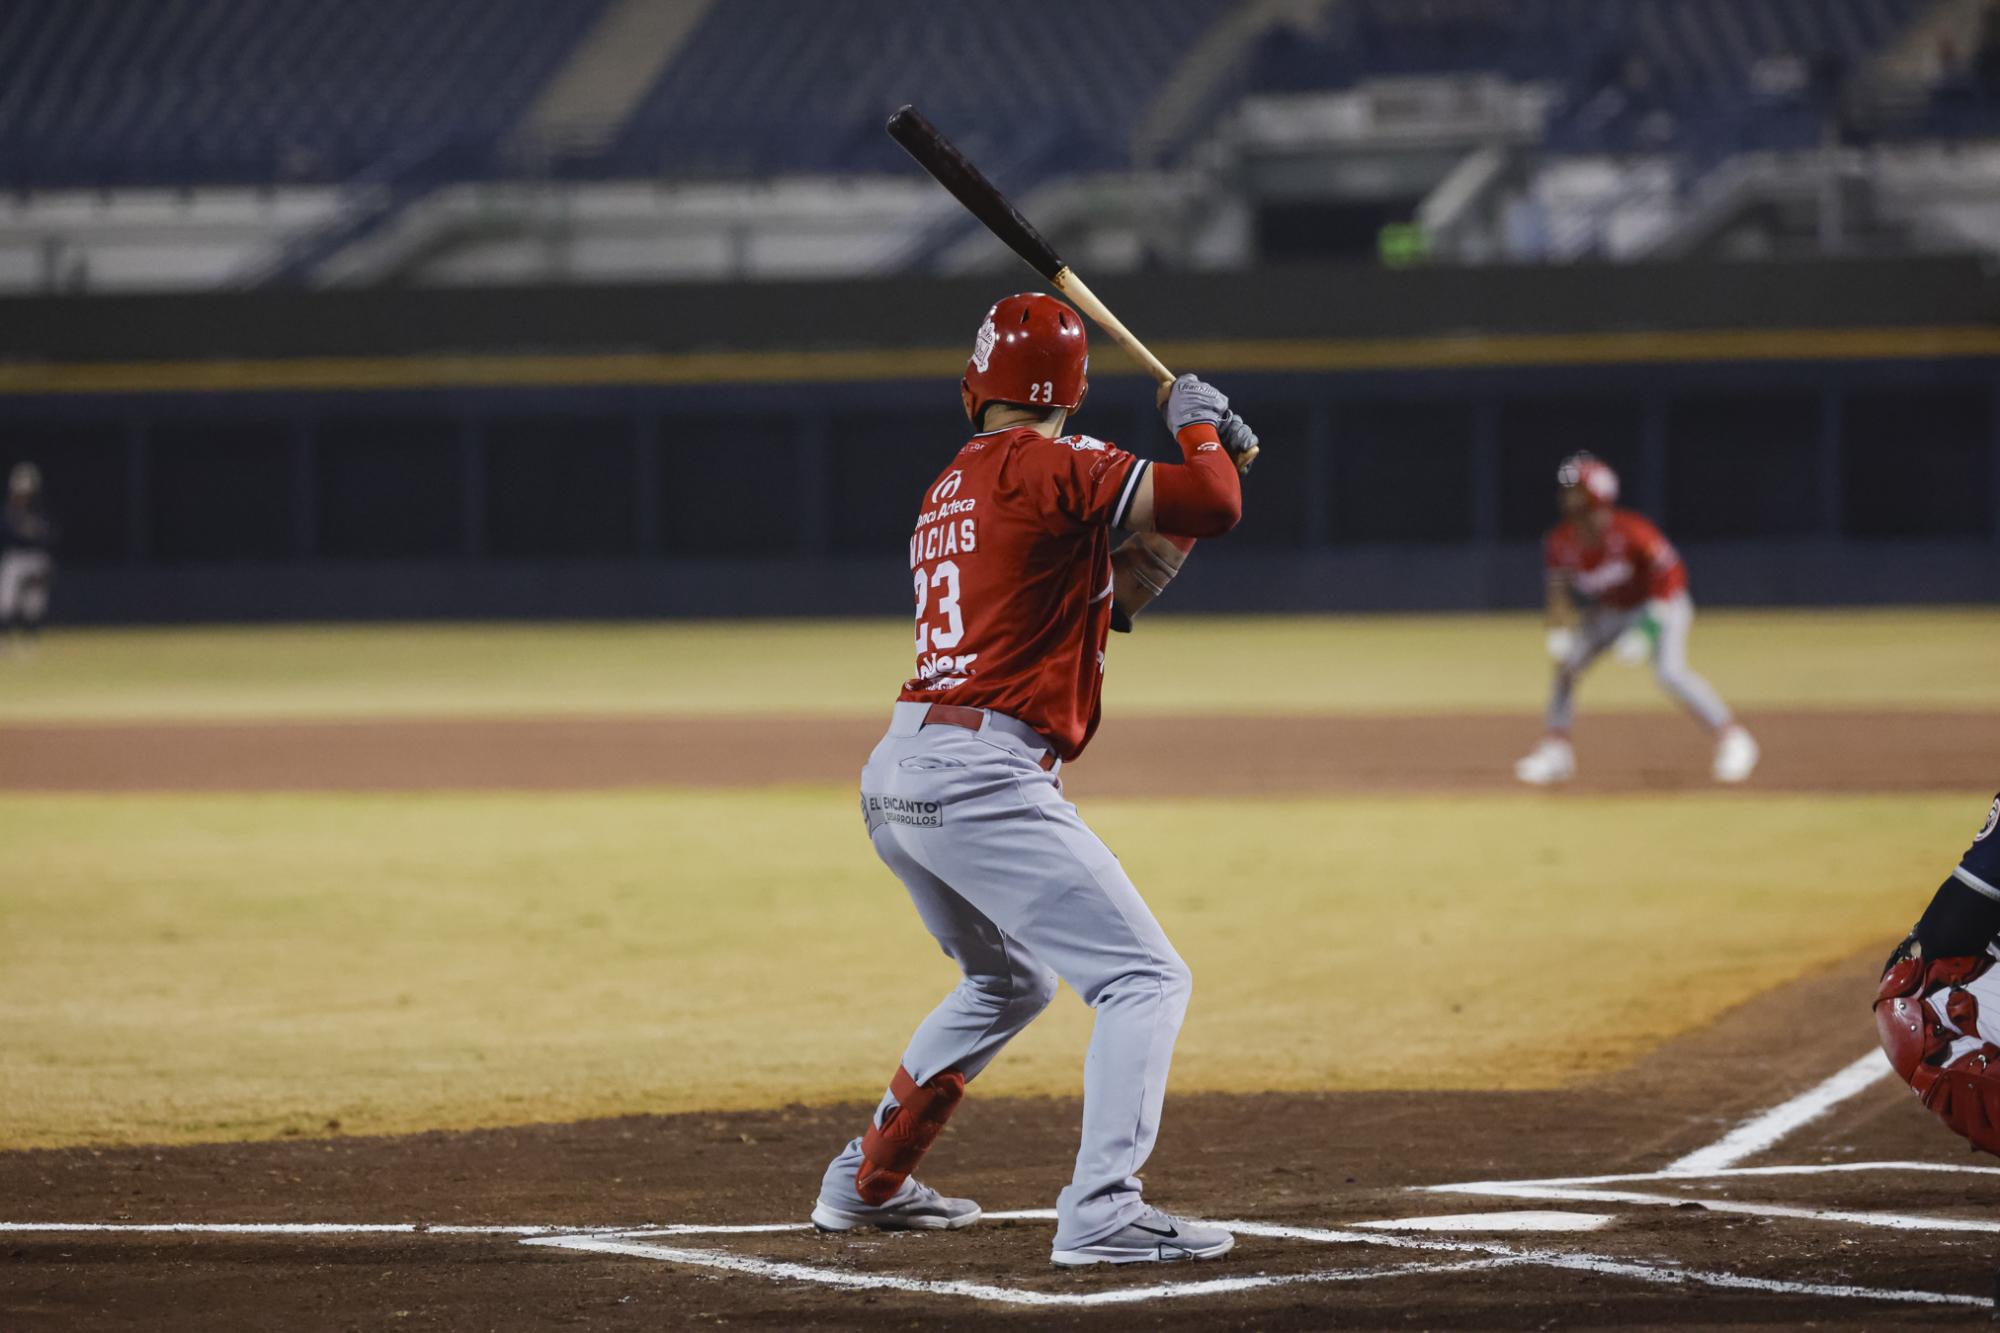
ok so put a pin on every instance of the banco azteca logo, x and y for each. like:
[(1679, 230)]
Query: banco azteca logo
[(947, 486)]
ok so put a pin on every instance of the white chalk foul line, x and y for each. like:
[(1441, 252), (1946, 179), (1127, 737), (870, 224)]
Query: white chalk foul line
[(444, 1229), (1764, 1130), (307, 1228)]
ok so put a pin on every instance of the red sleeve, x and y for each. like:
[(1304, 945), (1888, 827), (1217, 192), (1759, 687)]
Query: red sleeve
[(1202, 497), (1556, 552), (1661, 561), (1077, 481)]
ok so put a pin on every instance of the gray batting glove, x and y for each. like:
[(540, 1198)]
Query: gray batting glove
[(1237, 437), (1193, 401)]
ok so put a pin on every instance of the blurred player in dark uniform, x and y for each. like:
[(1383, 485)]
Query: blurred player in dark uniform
[(26, 566), (1938, 1007)]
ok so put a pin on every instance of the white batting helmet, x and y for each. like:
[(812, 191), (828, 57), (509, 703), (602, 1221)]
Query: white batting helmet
[(1592, 473)]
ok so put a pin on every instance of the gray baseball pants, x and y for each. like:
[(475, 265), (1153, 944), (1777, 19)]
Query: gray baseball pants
[(1601, 629), (24, 586), (1019, 892)]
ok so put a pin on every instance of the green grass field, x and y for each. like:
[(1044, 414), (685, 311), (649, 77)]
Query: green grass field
[(179, 968), (195, 968), (1187, 664)]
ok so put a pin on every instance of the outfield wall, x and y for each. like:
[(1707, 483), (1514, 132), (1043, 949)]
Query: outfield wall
[(1810, 433)]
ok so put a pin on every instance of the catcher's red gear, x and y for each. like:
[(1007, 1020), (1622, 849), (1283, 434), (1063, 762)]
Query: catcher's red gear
[(890, 1151), (1593, 474), (1962, 1089), (1030, 350)]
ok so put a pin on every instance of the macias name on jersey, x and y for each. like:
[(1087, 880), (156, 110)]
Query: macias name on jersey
[(941, 539), (941, 671), (1609, 575)]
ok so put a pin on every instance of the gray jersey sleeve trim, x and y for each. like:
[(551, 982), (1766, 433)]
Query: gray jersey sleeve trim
[(1130, 493), (1976, 884)]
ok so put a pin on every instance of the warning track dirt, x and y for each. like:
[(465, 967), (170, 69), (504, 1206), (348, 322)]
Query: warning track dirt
[(1132, 756)]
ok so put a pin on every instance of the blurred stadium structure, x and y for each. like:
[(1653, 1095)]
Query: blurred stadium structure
[(618, 140), (509, 307)]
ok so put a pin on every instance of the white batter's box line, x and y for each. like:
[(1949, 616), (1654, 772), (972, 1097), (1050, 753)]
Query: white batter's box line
[(1443, 1257), (1718, 1160), (1849, 1217), (1732, 1173), (1612, 1267), (1466, 1256), (1591, 1189), (783, 1271), (1523, 1220), (1766, 1129)]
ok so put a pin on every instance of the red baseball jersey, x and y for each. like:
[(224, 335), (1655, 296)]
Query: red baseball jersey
[(1633, 564), (1011, 559)]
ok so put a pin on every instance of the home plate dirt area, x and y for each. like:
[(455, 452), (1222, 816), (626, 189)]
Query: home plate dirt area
[(1763, 1171)]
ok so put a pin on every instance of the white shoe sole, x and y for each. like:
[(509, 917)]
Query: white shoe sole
[(832, 1219), (1741, 770), (1541, 777), (1086, 1255)]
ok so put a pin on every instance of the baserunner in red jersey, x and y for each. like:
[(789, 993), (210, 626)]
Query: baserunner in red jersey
[(1627, 576), (1017, 585)]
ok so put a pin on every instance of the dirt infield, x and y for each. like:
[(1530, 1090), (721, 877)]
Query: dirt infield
[(1307, 1171), (1804, 751), (1857, 1210)]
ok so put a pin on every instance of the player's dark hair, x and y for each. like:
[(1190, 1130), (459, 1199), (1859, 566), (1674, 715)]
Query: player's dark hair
[(1047, 413)]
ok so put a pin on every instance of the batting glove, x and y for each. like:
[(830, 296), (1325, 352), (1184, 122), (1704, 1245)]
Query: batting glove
[(1237, 437), (1193, 402)]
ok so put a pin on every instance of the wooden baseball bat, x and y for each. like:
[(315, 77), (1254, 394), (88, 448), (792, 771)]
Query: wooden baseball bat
[(967, 184)]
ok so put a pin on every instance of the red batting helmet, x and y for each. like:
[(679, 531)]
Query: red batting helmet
[(1031, 350), (1592, 473)]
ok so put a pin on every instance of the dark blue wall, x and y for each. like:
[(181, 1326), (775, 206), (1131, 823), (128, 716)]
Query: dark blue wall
[(1785, 482), (1838, 439)]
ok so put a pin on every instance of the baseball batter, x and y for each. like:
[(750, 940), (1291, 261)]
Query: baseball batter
[(26, 565), (1017, 584), (1628, 575), (1938, 1008)]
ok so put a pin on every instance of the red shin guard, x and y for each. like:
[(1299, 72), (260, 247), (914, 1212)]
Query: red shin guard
[(890, 1153)]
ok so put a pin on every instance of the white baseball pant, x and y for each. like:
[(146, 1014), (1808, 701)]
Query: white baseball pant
[(1601, 628), (1018, 891), (24, 586)]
